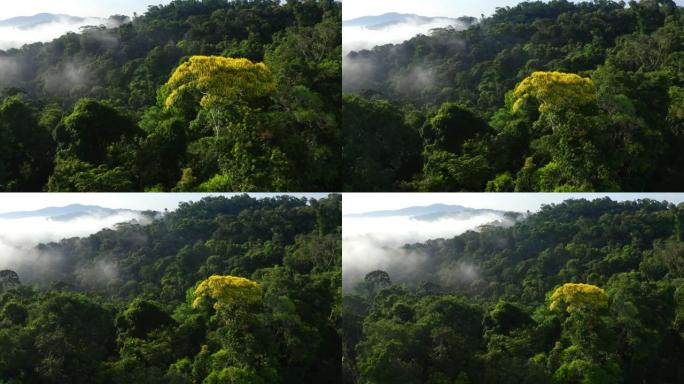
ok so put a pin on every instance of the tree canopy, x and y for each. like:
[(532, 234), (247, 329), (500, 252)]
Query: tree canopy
[(578, 292), (219, 79), (553, 96), (214, 95), (237, 290)]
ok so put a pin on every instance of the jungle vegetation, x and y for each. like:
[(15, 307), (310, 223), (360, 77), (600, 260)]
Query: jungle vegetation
[(211, 95), (579, 292), (224, 290), (542, 96)]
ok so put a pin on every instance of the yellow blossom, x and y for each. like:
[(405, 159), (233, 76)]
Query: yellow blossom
[(218, 79), (579, 297), (227, 290), (555, 89)]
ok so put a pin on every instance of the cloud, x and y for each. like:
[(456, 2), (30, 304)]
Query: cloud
[(356, 38), (71, 76), (363, 69), (14, 37), (20, 250), (9, 69), (370, 244)]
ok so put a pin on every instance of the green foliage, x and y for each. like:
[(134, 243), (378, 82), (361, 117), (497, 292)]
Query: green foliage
[(25, 149), (379, 147)]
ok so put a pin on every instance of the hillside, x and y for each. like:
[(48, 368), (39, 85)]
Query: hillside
[(101, 110), (582, 291), (137, 304), (542, 96)]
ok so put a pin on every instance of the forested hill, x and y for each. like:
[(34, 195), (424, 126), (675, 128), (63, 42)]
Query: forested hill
[(541, 96), (616, 315), (223, 290), (93, 111)]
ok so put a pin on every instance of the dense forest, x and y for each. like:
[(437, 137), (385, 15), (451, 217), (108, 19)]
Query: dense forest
[(579, 292), (209, 95), (239, 290), (542, 96)]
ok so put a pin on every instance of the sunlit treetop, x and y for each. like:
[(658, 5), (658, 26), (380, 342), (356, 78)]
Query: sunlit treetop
[(579, 297), (555, 90), (218, 79), (226, 290)]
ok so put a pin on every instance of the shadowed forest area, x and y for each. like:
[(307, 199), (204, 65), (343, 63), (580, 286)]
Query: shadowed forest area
[(579, 292), (223, 290), (210, 95), (542, 96)]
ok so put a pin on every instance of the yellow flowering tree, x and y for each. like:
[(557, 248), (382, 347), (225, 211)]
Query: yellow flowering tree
[(579, 297), (555, 89), (227, 290), (219, 79)]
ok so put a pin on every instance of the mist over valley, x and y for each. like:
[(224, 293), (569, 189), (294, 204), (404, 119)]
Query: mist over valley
[(44, 27), (377, 240), (26, 238)]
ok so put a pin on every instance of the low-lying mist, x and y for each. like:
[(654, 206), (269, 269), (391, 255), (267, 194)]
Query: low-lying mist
[(370, 244), (14, 37), (356, 38), (20, 250), (363, 69)]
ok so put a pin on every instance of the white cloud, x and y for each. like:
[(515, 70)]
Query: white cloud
[(370, 244), (19, 238), (358, 38), (11, 37)]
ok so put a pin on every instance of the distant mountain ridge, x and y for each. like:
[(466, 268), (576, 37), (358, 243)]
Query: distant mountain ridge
[(393, 18), (28, 22), (430, 212), (66, 213)]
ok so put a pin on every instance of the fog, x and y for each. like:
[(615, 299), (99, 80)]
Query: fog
[(364, 70), (13, 37), (360, 38), (19, 252), (370, 244), (71, 76), (9, 69)]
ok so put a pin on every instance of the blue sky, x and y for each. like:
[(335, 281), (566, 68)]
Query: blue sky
[(12, 202), (90, 8), (519, 202), (450, 8)]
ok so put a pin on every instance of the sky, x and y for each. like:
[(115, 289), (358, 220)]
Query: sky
[(13, 202), (518, 202), (447, 8), (84, 8)]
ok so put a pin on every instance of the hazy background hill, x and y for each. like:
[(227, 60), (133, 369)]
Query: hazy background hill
[(419, 212), (68, 212), (25, 22)]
